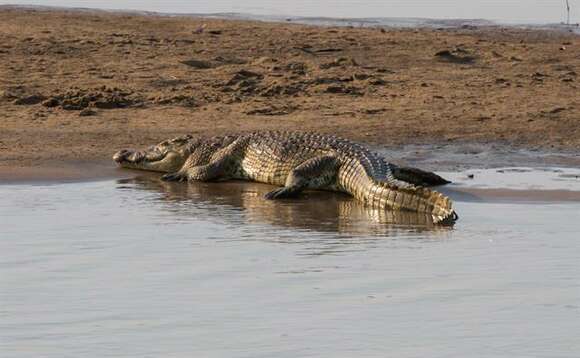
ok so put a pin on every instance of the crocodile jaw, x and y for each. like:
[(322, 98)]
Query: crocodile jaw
[(151, 161)]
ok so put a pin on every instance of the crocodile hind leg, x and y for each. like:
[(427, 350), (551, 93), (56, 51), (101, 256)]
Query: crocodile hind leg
[(315, 173), (219, 166)]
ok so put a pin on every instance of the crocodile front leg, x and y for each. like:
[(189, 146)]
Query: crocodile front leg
[(315, 173)]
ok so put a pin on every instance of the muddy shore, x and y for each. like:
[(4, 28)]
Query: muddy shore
[(77, 86)]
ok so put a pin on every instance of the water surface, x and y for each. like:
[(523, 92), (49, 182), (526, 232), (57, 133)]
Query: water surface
[(143, 268)]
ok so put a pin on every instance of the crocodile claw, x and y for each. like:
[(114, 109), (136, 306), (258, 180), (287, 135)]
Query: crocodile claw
[(174, 177), (281, 193)]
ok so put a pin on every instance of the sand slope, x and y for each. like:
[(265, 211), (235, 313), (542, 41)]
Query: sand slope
[(78, 86)]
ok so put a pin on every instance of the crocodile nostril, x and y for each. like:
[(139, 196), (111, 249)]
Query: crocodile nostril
[(117, 157)]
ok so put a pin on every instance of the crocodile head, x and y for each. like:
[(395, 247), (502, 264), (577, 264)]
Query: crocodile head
[(167, 156)]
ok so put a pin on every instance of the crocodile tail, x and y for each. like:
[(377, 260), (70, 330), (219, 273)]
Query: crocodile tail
[(412, 198)]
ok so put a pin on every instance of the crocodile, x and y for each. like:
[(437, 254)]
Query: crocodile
[(296, 161)]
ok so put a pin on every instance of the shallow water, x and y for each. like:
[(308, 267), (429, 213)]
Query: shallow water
[(143, 268)]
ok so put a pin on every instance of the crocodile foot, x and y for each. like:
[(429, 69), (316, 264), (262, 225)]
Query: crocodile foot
[(174, 177), (282, 193)]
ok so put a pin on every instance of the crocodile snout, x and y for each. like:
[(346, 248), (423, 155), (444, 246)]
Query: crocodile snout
[(127, 155), (121, 155)]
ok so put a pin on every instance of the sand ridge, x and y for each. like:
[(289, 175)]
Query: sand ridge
[(77, 86)]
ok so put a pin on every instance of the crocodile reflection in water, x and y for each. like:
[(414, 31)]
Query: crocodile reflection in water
[(329, 212)]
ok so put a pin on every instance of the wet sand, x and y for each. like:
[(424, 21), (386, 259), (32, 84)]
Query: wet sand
[(61, 172), (77, 86)]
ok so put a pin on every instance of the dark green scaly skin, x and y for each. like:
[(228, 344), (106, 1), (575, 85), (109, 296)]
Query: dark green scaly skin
[(296, 161)]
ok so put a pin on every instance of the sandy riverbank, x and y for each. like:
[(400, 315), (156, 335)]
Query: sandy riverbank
[(75, 87)]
